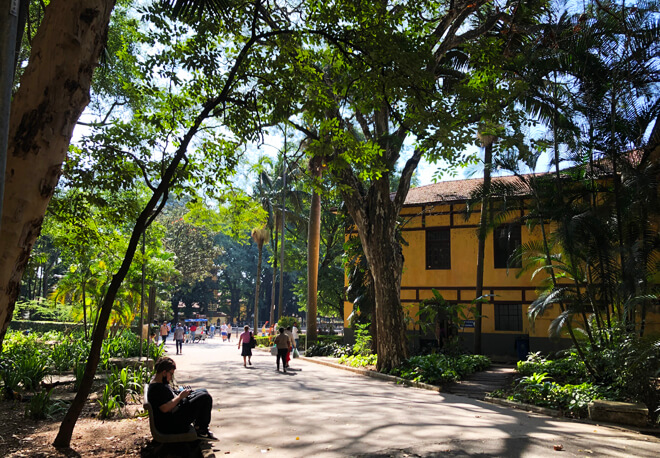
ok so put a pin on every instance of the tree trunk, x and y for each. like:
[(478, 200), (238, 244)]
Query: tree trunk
[(256, 293), (84, 306), (274, 285), (483, 224), (313, 249), (375, 219), (280, 309), (53, 92)]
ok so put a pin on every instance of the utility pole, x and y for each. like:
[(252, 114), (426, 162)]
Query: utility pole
[(8, 26)]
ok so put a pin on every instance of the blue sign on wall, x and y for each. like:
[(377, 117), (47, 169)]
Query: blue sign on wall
[(468, 323)]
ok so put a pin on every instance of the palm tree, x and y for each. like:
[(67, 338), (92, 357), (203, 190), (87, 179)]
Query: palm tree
[(260, 236), (313, 249)]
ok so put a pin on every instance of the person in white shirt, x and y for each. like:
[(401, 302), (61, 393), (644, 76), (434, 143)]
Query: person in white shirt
[(294, 331)]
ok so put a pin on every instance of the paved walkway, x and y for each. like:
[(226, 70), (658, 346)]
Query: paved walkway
[(480, 384), (320, 411)]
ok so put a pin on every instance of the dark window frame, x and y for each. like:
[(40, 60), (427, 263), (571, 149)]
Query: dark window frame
[(438, 249), (506, 239), (508, 317)]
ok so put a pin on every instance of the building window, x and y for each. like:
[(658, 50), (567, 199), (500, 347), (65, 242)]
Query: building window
[(506, 240), (508, 317), (438, 249)]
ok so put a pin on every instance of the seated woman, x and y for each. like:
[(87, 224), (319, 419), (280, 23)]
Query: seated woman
[(174, 412)]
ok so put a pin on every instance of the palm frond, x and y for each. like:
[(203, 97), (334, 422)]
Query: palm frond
[(196, 8)]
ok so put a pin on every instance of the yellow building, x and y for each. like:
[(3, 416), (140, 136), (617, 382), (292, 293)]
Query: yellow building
[(441, 253)]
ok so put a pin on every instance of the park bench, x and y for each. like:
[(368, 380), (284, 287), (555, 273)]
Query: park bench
[(165, 438)]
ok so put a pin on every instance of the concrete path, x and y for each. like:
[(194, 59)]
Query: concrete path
[(320, 411), (481, 384)]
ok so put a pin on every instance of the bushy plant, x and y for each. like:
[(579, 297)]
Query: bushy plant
[(569, 369), (332, 349), (286, 321), (33, 368), (11, 379), (108, 403), (439, 368), (359, 360), (78, 372), (41, 407), (362, 345), (264, 341), (539, 390), (325, 339), (124, 383)]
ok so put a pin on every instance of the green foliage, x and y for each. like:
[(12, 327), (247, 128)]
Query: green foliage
[(286, 321), (625, 372), (125, 383), (362, 345), (568, 370), (438, 368), (326, 339), (329, 349), (41, 407), (10, 378), (359, 360), (263, 341), (78, 372), (108, 402), (537, 389), (33, 368)]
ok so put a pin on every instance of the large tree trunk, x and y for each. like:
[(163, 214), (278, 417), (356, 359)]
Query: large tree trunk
[(53, 92), (313, 249), (375, 220)]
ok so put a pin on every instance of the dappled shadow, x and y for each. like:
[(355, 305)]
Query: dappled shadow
[(331, 412)]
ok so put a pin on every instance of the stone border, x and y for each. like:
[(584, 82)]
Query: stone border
[(374, 374), (521, 406), (497, 401)]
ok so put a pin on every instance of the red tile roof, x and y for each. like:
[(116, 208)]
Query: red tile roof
[(447, 191)]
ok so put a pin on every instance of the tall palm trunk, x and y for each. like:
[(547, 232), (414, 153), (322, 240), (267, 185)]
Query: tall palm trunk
[(274, 285), (483, 231), (313, 248), (280, 309), (260, 236)]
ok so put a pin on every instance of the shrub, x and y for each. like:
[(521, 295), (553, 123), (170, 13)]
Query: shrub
[(263, 341), (108, 403), (569, 369), (359, 360), (32, 369), (439, 368), (362, 345), (286, 321), (41, 407), (332, 349), (124, 383), (539, 390)]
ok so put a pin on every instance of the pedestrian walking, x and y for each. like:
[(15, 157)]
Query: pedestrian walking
[(223, 331), (228, 332), (282, 342), (294, 331), (164, 331), (245, 340), (179, 334), (292, 343)]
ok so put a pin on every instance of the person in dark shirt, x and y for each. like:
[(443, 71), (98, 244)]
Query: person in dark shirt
[(174, 412)]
